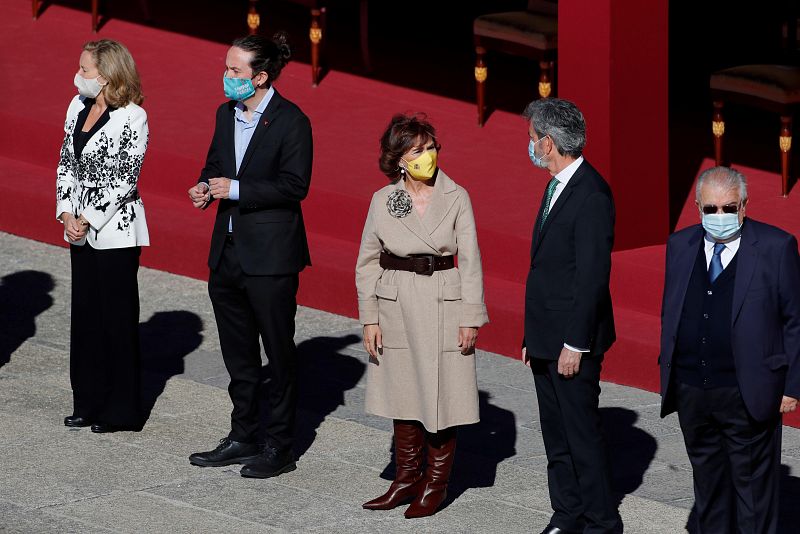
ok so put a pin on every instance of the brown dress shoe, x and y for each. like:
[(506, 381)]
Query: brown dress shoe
[(409, 443), (441, 453)]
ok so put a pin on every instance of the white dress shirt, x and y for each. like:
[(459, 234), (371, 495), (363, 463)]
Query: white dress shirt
[(563, 178), (727, 253)]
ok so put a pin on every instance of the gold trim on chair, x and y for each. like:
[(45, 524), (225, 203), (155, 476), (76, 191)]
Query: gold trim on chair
[(253, 21), (718, 127), (315, 34), (785, 142), (544, 89), (480, 74)]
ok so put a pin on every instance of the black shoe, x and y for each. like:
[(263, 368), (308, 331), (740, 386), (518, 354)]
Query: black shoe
[(228, 452), (554, 530), (270, 463), (104, 428), (76, 421)]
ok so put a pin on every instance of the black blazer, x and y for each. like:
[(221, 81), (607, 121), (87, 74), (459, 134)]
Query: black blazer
[(567, 299), (270, 237), (765, 321)]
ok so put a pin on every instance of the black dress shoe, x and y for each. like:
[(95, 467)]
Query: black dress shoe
[(228, 452), (270, 463), (555, 530), (76, 421), (103, 428)]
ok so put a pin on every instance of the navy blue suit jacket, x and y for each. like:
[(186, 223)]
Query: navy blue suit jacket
[(765, 321)]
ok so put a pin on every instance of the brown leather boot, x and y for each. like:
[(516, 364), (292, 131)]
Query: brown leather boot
[(409, 444), (441, 453)]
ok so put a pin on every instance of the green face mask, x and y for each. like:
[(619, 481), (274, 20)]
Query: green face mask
[(424, 167)]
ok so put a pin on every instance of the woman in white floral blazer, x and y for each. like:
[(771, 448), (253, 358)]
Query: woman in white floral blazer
[(105, 139)]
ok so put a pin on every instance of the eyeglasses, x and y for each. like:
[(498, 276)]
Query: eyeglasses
[(710, 209)]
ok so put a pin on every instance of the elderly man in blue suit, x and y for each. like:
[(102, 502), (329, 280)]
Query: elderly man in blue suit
[(730, 353)]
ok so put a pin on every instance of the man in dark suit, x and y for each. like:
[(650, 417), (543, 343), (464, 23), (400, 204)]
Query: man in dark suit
[(259, 168), (569, 322), (730, 353)]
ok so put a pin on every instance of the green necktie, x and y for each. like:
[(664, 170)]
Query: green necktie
[(551, 188)]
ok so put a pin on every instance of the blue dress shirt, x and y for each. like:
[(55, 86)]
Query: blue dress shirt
[(242, 134)]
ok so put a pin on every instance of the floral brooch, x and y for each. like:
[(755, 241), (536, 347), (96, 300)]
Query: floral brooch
[(399, 203)]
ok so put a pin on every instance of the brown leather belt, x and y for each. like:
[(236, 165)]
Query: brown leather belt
[(419, 263)]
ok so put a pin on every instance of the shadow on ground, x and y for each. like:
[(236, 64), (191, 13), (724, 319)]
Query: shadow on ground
[(166, 339), (630, 449), (479, 450), (23, 296), (324, 374)]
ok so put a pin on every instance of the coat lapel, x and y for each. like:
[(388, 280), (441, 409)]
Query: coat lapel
[(746, 265), (562, 199), (414, 224), (267, 118), (684, 266), (442, 201)]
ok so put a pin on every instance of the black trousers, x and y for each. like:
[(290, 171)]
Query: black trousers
[(578, 471), (735, 461), (104, 335), (245, 308)]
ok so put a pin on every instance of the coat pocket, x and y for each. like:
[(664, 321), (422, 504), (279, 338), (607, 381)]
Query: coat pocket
[(390, 317), (776, 361), (451, 309)]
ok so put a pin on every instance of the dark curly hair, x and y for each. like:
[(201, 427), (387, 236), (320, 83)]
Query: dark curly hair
[(269, 56), (400, 136)]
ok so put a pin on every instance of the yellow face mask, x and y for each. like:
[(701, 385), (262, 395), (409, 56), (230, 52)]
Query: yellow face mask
[(424, 167)]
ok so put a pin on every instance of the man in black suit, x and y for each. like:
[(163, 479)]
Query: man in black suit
[(259, 168), (569, 323), (730, 353)]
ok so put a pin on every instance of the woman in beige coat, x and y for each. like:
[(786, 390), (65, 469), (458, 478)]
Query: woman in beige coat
[(420, 314)]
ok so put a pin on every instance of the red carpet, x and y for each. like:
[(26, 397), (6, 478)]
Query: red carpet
[(181, 78)]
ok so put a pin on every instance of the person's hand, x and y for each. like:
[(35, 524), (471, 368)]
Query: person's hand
[(199, 195), (373, 340), (220, 187), (74, 229), (569, 363), (467, 335), (788, 404), (525, 359)]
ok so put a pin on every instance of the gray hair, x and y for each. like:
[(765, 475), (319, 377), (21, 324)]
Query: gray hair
[(562, 121), (724, 178)]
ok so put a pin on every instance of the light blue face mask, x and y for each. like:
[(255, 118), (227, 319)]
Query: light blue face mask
[(721, 226), (238, 88), (537, 160)]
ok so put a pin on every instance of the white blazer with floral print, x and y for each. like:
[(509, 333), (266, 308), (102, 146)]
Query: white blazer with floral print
[(101, 185)]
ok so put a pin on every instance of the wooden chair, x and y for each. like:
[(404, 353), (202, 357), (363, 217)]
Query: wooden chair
[(773, 88), (317, 30), (532, 33), (37, 5)]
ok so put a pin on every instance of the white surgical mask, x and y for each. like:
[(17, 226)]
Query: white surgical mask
[(721, 226), (88, 88), (537, 160)]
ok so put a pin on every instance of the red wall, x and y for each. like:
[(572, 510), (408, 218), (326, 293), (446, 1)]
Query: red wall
[(612, 62)]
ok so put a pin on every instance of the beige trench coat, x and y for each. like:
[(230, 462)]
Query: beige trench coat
[(422, 374)]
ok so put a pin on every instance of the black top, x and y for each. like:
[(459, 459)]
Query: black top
[(79, 137)]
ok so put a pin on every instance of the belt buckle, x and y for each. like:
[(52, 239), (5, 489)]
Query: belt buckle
[(429, 270)]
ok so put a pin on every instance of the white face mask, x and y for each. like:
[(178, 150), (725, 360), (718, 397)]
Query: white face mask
[(722, 226), (87, 88)]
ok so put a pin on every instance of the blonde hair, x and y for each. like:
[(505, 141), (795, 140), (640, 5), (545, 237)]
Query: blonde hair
[(115, 64)]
